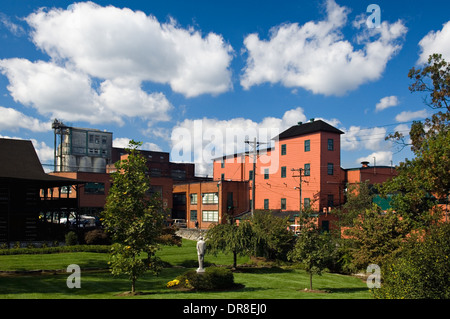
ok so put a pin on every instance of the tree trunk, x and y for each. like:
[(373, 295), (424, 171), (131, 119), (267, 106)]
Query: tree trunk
[(234, 259), (310, 281), (133, 286)]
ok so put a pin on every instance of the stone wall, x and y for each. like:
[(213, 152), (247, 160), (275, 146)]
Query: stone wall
[(191, 233)]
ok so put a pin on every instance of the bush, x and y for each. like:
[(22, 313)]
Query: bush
[(420, 270), (71, 239), (213, 278), (96, 237), (56, 250)]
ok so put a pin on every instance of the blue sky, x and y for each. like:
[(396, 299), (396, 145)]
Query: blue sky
[(145, 70)]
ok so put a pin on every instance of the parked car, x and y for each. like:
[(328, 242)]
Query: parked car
[(181, 223)]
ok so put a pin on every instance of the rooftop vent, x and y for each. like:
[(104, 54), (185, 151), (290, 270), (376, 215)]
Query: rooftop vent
[(312, 119), (299, 123), (365, 164)]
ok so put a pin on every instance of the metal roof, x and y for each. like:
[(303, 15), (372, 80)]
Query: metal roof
[(19, 161)]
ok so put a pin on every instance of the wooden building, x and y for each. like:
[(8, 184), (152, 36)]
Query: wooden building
[(28, 204)]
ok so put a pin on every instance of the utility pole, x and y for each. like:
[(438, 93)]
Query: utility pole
[(255, 145), (300, 174)]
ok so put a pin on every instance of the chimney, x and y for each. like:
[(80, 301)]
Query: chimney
[(365, 164)]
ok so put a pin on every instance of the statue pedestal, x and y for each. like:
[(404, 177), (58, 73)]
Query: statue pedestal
[(200, 271)]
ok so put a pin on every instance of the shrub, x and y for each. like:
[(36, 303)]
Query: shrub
[(213, 278), (420, 270), (71, 239), (97, 237)]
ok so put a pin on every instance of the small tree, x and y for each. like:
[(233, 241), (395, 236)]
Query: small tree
[(230, 238), (313, 248), (134, 219), (376, 235), (272, 238)]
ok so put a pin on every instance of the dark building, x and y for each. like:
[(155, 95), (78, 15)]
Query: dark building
[(28, 202)]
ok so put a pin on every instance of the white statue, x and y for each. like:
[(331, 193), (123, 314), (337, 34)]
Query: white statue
[(201, 248)]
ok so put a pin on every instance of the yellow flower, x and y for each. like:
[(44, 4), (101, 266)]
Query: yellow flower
[(172, 283)]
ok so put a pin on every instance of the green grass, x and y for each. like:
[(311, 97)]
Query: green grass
[(260, 283)]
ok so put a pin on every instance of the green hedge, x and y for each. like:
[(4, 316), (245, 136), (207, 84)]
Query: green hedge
[(213, 278), (58, 249)]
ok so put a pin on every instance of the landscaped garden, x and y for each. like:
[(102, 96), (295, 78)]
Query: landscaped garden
[(44, 276)]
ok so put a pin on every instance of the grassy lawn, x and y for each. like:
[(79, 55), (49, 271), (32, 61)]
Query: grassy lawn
[(260, 283)]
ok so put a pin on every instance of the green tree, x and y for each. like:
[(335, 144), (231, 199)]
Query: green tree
[(272, 238), (376, 235), (134, 219), (359, 198), (230, 238), (421, 268), (425, 180), (313, 248)]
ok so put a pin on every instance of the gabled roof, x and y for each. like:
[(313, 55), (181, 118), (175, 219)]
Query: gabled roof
[(308, 128), (19, 161)]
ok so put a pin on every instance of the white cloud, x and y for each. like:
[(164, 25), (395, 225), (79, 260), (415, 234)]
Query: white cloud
[(14, 28), (201, 140), (13, 120), (435, 42), (122, 142), (381, 158), (316, 57), (68, 94), (112, 43), (407, 116), (386, 102), (357, 138)]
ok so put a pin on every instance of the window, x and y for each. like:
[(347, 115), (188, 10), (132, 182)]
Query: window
[(330, 201), (193, 214), (266, 203), (283, 203), (330, 168), (222, 164), (104, 139), (283, 149), (178, 174), (307, 169), (307, 203), (283, 171), (94, 188), (307, 145), (210, 198), (155, 172), (230, 200), (330, 144), (193, 199), (222, 177), (266, 173), (250, 175), (210, 216), (66, 189)]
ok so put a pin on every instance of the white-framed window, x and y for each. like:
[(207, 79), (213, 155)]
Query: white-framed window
[(210, 198), (210, 216)]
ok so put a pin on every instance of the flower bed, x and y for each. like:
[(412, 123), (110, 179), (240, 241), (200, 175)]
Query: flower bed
[(214, 278)]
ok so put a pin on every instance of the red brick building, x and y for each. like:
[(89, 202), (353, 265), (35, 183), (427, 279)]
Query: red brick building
[(302, 169), (210, 202)]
